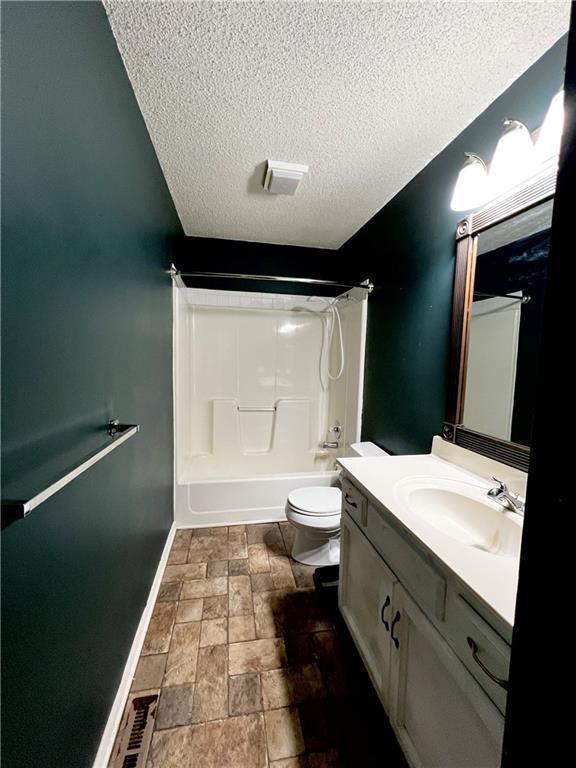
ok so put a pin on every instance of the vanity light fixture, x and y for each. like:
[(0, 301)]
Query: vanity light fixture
[(471, 188), (550, 134), (516, 159)]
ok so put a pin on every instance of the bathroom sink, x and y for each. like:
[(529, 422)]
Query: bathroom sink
[(463, 512)]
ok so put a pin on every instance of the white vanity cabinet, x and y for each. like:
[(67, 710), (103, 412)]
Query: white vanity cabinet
[(394, 609), (365, 598), (442, 718)]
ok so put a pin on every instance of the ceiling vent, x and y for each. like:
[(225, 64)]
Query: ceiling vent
[(283, 178)]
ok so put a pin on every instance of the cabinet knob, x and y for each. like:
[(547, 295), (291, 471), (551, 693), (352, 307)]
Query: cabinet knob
[(383, 620), (350, 501), (395, 621), (474, 648)]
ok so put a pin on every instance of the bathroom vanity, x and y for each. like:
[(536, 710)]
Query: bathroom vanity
[(429, 561), (428, 578)]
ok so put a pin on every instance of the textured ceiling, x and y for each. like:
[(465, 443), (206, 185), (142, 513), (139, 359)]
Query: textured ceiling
[(365, 93)]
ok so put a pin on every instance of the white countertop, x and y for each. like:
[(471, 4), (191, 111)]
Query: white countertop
[(493, 578)]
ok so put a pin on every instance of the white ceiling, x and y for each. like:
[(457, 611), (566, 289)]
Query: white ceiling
[(365, 93)]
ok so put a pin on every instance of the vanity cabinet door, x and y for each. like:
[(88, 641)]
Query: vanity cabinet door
[(365, 599), (442, 717)]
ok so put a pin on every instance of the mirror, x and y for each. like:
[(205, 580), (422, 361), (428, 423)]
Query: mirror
[(505, 325), (498, 308)]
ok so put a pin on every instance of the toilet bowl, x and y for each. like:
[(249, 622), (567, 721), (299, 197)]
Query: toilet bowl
[(314, 511)]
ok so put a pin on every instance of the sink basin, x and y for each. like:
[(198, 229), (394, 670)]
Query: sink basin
[(463, 512)]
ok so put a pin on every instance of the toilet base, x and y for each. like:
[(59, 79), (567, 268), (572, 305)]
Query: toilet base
[(316, 549)]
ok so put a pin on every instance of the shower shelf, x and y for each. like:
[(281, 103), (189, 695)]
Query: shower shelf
[(15, 509)]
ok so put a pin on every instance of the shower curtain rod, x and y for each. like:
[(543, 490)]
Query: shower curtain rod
[(522, 299), (367, 285)]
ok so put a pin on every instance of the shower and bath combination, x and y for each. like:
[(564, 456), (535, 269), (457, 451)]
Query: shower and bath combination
[(268, 395)]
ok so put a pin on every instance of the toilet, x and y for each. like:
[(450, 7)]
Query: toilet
[(315, 513)]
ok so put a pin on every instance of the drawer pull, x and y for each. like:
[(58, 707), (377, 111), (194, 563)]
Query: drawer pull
[(386, 604), (474, 648), (395, 621), (350, 501)]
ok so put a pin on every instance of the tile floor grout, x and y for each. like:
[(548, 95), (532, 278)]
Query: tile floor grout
[(217, 707)]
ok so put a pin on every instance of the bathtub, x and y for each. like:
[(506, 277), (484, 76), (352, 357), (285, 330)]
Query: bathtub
[(240, 500)]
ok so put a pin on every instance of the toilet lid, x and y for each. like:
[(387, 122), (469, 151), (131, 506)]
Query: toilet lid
[(316, 500)]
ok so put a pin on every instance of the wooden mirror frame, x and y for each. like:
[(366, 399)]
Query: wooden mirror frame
[(467, 231)]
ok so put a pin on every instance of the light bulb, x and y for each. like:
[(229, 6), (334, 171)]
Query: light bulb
[(550, 134), (514, 159), (471, 190)]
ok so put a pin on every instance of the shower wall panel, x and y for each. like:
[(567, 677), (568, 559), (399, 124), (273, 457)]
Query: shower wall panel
[(345, 394), (253, 397), (249, 392)]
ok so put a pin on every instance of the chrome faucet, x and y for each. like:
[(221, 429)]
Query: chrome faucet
[(337, 430), (503, 496)]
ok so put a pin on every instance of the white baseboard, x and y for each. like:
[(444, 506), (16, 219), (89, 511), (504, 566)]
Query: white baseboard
[(115, 716)]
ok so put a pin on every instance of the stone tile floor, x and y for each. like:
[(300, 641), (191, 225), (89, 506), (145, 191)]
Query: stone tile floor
[(254, 667)]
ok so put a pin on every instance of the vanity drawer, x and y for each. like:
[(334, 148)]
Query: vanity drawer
[(479, 647), (425, 584), (354, 503)]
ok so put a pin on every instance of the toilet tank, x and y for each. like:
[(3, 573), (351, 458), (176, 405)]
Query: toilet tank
[(366, 449)]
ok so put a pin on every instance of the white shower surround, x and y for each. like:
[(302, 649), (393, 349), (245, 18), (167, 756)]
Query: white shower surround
[(240, 350)]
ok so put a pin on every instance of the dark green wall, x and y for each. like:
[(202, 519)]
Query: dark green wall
[(408, 249), (206, 254), (86, 313)]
